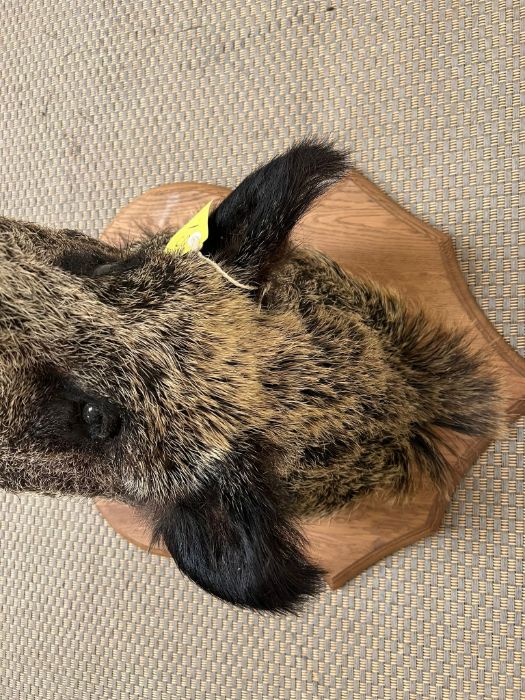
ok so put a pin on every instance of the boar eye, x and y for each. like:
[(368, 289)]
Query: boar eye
[(100, 422), (92, 415)]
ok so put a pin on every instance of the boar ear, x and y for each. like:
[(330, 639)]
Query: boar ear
[(250, 228), (239, 547)]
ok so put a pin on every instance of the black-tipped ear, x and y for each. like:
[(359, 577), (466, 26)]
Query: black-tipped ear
[(250, 228), (238, 547)]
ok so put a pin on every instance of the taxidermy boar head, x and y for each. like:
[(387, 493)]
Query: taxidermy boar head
[(221, 411)]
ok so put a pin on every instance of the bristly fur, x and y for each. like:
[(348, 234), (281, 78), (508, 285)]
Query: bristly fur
[(226, 414)]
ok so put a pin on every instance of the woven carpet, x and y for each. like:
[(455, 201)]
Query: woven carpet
[(102, 100)]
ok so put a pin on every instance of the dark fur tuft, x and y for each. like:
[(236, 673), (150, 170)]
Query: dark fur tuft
[(239, 546), (251, 227)]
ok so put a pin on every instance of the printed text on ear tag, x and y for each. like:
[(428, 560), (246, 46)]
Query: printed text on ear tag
[(192, 235)]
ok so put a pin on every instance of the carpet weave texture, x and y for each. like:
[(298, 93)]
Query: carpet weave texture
[(101, 100)]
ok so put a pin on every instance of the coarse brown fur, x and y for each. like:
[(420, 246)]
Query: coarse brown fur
[(224, 414)]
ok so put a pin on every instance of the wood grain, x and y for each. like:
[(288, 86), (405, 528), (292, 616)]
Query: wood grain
[(369, 235)]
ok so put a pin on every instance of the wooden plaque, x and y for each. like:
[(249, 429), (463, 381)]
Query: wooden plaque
[(370, 235)]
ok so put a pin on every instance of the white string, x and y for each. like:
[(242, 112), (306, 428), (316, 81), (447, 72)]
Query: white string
[(225, 274)]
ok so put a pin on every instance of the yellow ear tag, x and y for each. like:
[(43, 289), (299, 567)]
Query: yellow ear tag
[(191, 237)]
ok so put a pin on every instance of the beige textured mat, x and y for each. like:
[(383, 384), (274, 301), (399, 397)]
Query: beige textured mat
[(101, 100)]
